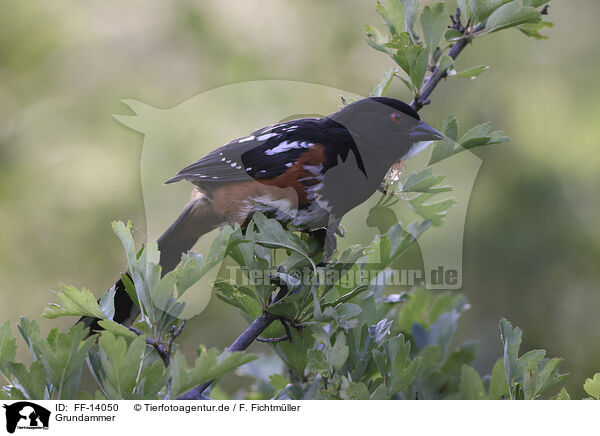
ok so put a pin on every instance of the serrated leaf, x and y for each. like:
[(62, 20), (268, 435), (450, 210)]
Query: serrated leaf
[(278, 382), (209, 365), (375, 39), (424, 181), (337, 354), (64, 359), (382, 87), (592, 386), (562, 395), (120, 365), (73, 302), (32, 380)]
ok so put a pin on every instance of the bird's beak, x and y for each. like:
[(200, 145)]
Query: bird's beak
[(424, 132)]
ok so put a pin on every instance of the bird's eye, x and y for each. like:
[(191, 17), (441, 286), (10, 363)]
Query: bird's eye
[(396, 117)]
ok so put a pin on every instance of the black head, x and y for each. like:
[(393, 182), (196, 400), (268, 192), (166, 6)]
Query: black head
[(398, 105), (386, 124)]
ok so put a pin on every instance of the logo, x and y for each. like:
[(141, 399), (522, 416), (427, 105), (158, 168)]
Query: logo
[(26, 415)]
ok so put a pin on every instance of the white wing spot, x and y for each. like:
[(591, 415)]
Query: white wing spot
[(247, 138), (214, 177), (289, 164), (266, 136), (285, 146), (249, 169), (233, 164), (222, 159)]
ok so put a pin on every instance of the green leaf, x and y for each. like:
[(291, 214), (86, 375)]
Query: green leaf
[(472, 73), (32, 381), (382, 87), (354, 391), (209, 365), (240, 297), (393, 15), (401, 42), (452, 35), (482, 9), (465, 10), (433, 21), (498, 388), (411, 11), (592, 386), (533, 29), (8, 345), (562, 395), (107, 303), (117, 329), (536, 3), (418, 61), (278, 382), (471, 386), (511, 340), (445, 64), (73, 302), (337, 354), (510, 15), (120, 365), (448, 146), (424, 181), (125, 234), (63, 359), (317, 363), (375, 39)]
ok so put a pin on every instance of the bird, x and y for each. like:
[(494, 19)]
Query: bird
[(307, 172)]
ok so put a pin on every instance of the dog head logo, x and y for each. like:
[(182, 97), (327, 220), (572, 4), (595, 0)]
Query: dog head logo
[(26, 415)]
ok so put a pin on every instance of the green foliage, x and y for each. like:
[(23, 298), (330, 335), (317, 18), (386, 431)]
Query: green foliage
[(531, 374), (128, 364), (347, 340), (417, 54)]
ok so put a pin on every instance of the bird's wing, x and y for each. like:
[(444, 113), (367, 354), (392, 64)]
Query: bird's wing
[(270, 152)]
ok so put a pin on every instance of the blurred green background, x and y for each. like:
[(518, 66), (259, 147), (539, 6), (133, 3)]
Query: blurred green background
[(67, 168)]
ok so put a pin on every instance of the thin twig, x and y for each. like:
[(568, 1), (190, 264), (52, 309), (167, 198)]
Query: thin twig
[(437, 75), (258, 326)]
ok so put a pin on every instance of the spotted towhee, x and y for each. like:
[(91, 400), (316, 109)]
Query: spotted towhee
[(307, 172)]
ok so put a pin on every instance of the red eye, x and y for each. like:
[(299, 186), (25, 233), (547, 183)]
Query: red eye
[(396, 117)]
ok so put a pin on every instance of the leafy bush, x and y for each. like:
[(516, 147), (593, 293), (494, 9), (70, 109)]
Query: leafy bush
[(335, 339)]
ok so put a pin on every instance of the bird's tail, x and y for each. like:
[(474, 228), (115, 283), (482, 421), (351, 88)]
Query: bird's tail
[(197, 219)]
